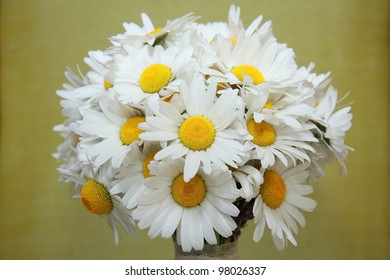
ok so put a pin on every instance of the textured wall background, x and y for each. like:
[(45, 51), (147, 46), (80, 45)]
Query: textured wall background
[(39, 38)]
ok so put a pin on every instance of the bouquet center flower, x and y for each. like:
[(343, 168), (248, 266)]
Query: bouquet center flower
[(189, 194), (130, 131), (263, 133), (248, 70), (273, 189), (197, 133), (96, 198), (155, 77)]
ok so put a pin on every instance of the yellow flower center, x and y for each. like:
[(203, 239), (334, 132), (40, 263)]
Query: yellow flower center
[(96, 198), (147, 160), (197, 133), (248, 70), (273, 190), (130, 131), (263, 133), (155, 31), (155, 77), (189, 194), (107, 84), (268, 105)]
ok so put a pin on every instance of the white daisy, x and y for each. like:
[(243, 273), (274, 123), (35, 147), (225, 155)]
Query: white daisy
[(280, 197), (192, 209), (272, 139), (94, 191), (147, 71), (288, 107), (230, 30), (130, 180), (332, 126), (110, 134), (203, 134), (95, 84), (139, 35), (252, 63)]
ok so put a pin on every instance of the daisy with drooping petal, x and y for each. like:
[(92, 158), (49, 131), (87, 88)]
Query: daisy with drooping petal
[(195, 210), (202, 135), (270, 140), (281, 196), (288, 108), (94, 191), (151, 70), (130, 180), (110, 134)]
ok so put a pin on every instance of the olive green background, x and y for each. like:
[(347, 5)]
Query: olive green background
[(39, 38)]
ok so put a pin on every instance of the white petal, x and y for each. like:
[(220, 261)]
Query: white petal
[(191, 166)]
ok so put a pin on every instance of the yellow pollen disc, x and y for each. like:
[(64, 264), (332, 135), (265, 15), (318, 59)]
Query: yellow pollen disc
[(248, 70), (268, 105), (189, 194), (155, 31), (107, 84), (263, 133), (234, 40), (197, 133), (316, 104), (155, 77), (96, 198), (147, 160), (273, 190), (130, 131)]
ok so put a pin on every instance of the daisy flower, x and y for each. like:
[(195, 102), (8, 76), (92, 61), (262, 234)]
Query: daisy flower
[(280, 198), (130, 180), (192, 209), (230, 30), (203, 134), (250, 62), (95, 84), (269, 138), (148, 33), (94, 191), (110, 134), (288, 107), (151, 70), (332, 126)]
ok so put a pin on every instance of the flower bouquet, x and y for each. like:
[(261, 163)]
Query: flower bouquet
[(191, 130)]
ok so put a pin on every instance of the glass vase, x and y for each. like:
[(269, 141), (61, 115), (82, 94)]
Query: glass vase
[(227, 251)]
